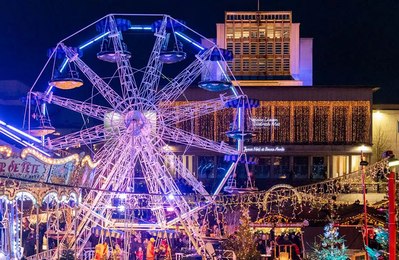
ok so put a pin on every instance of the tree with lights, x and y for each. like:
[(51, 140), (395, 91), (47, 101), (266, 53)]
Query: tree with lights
[(331, 246), (382, 238), (242, 242)]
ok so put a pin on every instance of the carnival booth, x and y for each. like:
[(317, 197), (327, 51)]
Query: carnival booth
[(279, 237), (38, 198)]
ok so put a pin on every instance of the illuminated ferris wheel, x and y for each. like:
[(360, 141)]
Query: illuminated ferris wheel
[(141, 118)]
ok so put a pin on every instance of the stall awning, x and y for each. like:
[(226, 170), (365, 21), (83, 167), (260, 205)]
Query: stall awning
[(107, 232)]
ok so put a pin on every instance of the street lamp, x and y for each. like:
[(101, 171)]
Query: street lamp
[(391, 210)]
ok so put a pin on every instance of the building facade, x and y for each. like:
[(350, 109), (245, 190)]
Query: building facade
[(267, 48), (302, 131), (385, 129)]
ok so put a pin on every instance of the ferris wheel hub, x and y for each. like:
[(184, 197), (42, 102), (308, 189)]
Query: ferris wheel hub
[(137, 123)]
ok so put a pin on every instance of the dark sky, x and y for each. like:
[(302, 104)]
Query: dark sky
[(355, 41)]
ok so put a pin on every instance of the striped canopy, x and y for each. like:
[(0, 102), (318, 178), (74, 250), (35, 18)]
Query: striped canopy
[(170, 24), (107, 232), (242, 159), (60, 54), (121, 24), (242, 102), (164, 233)]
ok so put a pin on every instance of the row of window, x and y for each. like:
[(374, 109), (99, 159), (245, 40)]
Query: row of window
[(261, 48), (260, 65), (269, 31), (261, 17)]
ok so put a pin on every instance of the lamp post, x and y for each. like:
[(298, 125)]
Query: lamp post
[(391, 210), (364, 163)]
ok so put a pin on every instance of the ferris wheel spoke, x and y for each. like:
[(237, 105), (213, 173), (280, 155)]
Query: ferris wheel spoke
[(168, 94), (126, 76), (85, 108), (95, 208), (168, 156), (180, 136), (156, 165), (153, 70), (95, 134), (191, 110), (105, 90)]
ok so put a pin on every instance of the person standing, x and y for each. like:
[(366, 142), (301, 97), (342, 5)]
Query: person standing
[(151, 249)]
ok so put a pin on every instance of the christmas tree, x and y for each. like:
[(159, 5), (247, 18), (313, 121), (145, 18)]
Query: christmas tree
[(331, 246), (382, 238), (242, 242)]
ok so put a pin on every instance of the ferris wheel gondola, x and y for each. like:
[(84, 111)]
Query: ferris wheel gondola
[(107, 52), (66, 76), (215, 78), (172, 49)]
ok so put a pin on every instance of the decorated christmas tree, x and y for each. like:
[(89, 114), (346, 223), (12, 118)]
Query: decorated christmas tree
[(331, 246), (382, 238), (242, 242)]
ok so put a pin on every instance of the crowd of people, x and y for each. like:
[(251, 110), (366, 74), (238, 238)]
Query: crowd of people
[(143, 246)]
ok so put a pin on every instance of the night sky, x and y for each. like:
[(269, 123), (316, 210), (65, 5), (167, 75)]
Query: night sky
[(355, 42)]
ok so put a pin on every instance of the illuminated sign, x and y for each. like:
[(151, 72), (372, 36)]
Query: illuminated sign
[(265, 122), (264, 149), (29, 168)]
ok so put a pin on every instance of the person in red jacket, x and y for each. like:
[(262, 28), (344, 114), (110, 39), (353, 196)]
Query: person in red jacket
[(140, 254)]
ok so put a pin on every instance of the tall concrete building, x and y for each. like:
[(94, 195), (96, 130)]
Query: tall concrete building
[(267, 48)]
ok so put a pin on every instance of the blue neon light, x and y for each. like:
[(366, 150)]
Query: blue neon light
[(86, 44), (93, 40), (190, 40), (231, 166), (24, 134), (16, 138), (102, 35), (64, 63), (140, 27), (44, 109), (49, 89), (6, 133), (220, 66), (2, 123), (239, 117)]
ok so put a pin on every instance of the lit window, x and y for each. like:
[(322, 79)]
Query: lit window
[(261, 32), (286, 48), (245, 32), (286, 32), (270, 32), (270, 48), (245, 48), (254, 47), (229, 32), (278, 48), (237, 32), (262, 48), (237, 48), (254, 32), (278, 32), (262, 65)]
